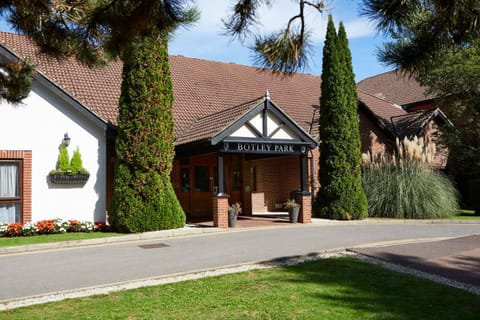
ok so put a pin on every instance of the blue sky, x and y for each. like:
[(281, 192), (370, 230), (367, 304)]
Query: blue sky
[(205, 41)]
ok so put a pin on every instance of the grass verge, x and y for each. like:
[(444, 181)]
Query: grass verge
[(21, 241), (336, 288), (466, 215)]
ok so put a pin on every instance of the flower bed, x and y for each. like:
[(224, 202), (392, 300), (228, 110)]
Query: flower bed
[(53, 226)]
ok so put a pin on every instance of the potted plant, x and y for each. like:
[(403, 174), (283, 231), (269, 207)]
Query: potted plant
[(293, 210), (69, 172), (233, 211)]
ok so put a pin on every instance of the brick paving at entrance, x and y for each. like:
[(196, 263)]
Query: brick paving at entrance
[(267, 220)]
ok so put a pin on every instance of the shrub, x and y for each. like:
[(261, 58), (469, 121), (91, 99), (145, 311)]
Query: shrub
[(404, 184), (76, 164), (63, 163)]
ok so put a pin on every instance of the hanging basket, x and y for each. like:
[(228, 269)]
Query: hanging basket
[(70, 179)]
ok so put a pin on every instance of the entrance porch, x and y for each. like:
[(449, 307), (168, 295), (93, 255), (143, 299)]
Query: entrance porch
[(252, 154)]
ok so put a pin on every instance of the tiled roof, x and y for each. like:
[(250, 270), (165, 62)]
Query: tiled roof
[(206, 127), (394, 86), (412, 123), (381, 109), (208, 95), (201, 87)]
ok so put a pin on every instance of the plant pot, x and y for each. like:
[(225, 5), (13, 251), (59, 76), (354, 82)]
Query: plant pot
[(232, 218), (293, 214), (65, 178)]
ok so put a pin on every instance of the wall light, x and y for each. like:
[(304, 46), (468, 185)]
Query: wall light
[(66, 140)]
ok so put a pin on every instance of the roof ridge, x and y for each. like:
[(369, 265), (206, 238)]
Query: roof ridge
[(376, 97), (378, 75), (227, 109), (259, 69)]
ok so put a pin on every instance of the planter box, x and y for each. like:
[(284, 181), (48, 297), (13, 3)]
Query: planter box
[(232, 218), (70, 179), (293, 214)]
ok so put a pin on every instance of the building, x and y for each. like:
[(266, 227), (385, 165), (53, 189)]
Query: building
[(242, 134)]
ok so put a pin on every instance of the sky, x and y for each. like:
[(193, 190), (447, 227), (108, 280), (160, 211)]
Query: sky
[(205, 40)]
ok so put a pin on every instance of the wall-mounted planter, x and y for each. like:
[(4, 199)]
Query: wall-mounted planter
[(71, 179)]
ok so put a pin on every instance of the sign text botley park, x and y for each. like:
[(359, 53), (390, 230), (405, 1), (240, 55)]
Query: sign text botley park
[(263, 147)]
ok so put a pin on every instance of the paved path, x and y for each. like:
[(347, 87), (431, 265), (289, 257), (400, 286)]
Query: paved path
[(457, 259), (53, 271)]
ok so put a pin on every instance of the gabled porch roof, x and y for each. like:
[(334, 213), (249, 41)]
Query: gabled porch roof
[(257, 121)]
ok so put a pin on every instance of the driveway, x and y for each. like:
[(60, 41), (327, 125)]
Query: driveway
[(457, 259), (61, 271)]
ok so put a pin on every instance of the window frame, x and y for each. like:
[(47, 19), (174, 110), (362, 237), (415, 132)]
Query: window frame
[(20, 198)]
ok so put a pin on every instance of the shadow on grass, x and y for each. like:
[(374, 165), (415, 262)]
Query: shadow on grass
[(372, 292)]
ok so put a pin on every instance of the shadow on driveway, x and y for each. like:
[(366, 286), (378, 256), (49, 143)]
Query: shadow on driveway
[(457, 259)]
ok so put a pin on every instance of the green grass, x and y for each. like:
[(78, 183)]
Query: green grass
[(21, 241), (337, 288), (466, 215)]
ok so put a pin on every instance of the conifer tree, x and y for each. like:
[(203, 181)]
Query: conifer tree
[(63, 162), (341, 195), (143, 195), (76, 164)]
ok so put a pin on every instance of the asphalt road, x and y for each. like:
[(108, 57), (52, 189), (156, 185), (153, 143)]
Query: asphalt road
[(44, 272)]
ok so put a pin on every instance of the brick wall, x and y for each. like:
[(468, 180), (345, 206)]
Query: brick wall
[(305, 214), (26, 159), (276, 178), (220, 212), (372, 138), (441, 155)]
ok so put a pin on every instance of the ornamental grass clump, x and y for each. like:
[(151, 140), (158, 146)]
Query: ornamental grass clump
[(404, 184)]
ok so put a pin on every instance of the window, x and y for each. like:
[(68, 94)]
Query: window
[(202, 181), (253, 178), (236, 175), (185, 179), (10, 191)]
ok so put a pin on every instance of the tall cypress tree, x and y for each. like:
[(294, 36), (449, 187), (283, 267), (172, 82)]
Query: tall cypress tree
[(144, 198), (341, 195), (358, 205)]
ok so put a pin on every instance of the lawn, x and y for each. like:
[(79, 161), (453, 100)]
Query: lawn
[(336, 288), (20, 241), (466, 215)]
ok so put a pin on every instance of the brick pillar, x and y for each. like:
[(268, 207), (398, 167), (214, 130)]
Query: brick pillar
[(220, 211), (305, 201)]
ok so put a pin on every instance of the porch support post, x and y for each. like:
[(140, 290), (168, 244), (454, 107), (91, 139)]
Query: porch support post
[(303, 173), (305, 201), (220, 211), (220, 199), (303, 197), (220, 173)]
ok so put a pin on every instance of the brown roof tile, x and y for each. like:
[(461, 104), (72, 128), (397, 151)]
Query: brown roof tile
[(381, 109), (201, 87), (208, 95), (394, 86), (208, 126)]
